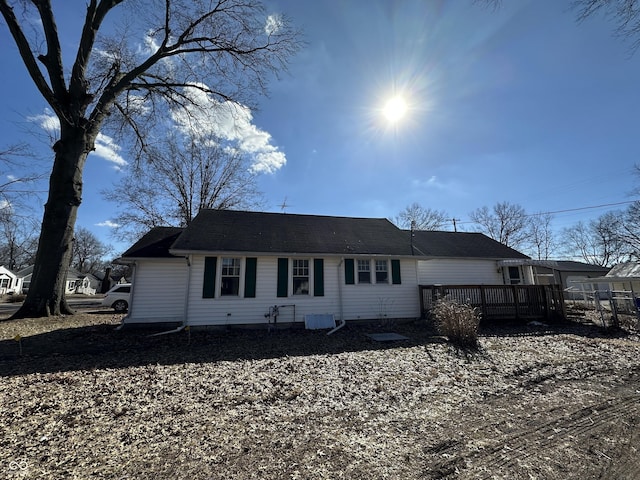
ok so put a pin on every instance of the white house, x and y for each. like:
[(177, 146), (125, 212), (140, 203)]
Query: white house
[(231, 267), (76, 282), (9, 281)]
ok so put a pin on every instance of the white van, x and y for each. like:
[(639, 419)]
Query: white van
[(118, 297)]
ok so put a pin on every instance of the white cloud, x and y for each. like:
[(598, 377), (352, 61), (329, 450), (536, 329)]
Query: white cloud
[(48, 122), (230, 122), (431, 182), (105, 147), (273, 24), (12, 178), (107, 223)]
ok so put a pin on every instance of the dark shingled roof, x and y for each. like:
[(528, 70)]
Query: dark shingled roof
[(154, 243), (235, 231), (572, 266), (461, 245)]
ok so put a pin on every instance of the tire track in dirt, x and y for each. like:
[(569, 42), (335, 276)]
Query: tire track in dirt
[(617, 417)]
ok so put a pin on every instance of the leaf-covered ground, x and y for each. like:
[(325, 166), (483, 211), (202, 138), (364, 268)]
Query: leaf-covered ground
[(84, 401)]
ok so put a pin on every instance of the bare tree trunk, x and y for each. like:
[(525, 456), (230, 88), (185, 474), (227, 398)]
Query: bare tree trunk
[(46, 295)]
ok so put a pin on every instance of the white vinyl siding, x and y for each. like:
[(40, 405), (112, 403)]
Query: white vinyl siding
[(158, 291), (459, 272), (359, 301), (376, 301)]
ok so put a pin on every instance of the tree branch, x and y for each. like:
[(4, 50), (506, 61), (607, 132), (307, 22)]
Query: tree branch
[(27, 56)]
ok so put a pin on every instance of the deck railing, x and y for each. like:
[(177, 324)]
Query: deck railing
[(500, 301)]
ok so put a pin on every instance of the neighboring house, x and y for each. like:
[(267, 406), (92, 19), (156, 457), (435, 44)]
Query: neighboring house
[(25, 276), (88, 284), (458, 258), (230, 267), (572, 276), (74, 279), (83, 283), (623, 277), (9, 281)]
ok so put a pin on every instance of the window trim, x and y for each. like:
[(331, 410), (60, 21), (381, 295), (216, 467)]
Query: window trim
[(307, 276), (240, 276), (386, 270), (316, 277), (363, 261), (352, 277), (212, 277)]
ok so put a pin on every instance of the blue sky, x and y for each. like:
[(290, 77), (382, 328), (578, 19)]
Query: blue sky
[(520, 104)]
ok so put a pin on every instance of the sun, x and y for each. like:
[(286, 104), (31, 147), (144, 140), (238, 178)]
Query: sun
[(395, 109)]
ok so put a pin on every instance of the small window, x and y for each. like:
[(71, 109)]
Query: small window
[(364, 271), (382, 271), (514, 276), (300, 277), (122, 290), (5, 283), (230, 276)]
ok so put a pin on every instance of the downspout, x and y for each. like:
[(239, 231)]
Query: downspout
[(340, 303), (185, 320)]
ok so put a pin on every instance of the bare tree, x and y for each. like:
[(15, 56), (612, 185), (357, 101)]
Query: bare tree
[(625, 14), (224, 49), (178, 178), (18, 174), (630, 231), (18, 239), (421, 218), (505, 222), (598, 242), (541, 236), (88, 255)]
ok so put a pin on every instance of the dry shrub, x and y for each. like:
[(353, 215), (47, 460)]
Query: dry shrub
[(459, 322)]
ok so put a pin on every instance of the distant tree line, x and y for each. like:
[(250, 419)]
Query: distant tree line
[(611, 238)]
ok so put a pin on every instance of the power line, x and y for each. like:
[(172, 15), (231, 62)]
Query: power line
[(571, 209)]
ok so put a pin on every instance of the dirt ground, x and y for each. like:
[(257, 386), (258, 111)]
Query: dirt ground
[(81, 400)]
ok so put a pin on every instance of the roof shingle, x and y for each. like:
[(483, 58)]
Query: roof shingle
[(461, 245), (227, 230)]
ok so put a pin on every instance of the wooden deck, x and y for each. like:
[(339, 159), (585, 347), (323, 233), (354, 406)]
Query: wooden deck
[(496, 302)]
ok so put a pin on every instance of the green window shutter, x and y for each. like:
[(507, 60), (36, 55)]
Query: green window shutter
[(349, 273), (209, 281), (251, 267), (318, 277), (283, 277), (395, 272)]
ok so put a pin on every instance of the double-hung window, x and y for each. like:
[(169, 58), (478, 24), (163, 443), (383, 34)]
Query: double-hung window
[(230, 278), (382, 271), (364, 271), (300, 276)]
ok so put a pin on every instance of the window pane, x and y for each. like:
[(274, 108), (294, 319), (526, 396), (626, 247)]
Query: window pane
[(382, 271), (230, 281), (364, 271), (301, 277), (514, 275)]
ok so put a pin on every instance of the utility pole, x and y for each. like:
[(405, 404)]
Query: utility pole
[(455, 226)]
